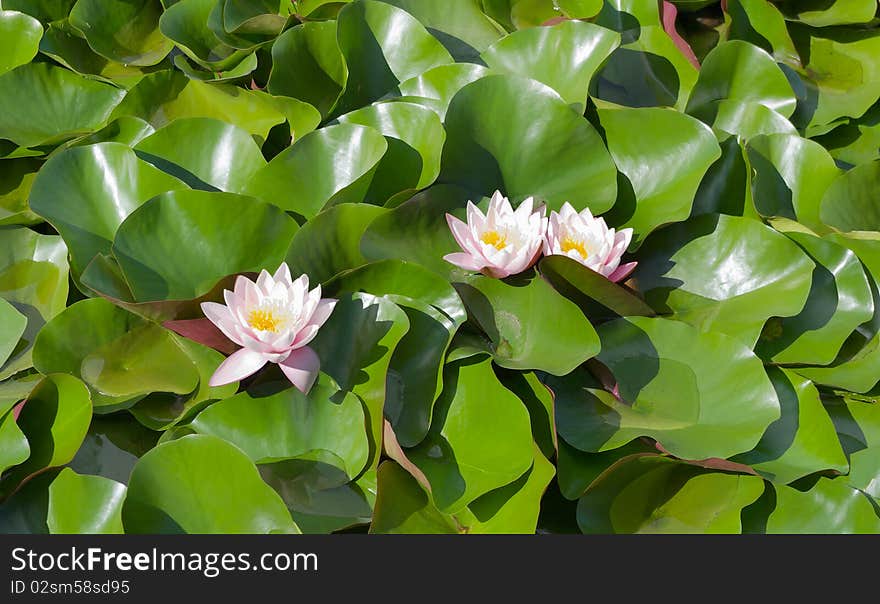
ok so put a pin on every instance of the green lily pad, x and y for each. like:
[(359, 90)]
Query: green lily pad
[(436, 87), (175, 488), (416, 369), (44, 10), (576, 470), (43, 105), (460, 458), (126, 130), (822, 14), (329, 166), (539, 400), (54, 419), (14, 447), (20, 35), (235, 234), (301, 117), (842, 74), (857, 421), (112, 446), (126, 32), (415, 139), (218, 154), (565, 56), (580, 9), (12, 326), (685, 388), (664, 165), (316, 507), (850, 203), (598, 297), (24, 513), (724, 273), (435, 312), (16, 178), (629, 16), (830, 507), (416, 230), (33, 279), (121, 358), (513, 509), (246, 67), (308, 65), (255, 16), (742, 72), (66, 45), (382, 46), (760, 22), (864, 471), (492, 144), (186, 24), (164, 96), (855, 366), (840, 301), (803, 440), (648, 70), (402, 279), (856, 142), (650, 494), (330, 243), (355, 346), (87, 192), (749, 120), (403, 507), (791, 176), (290, 424), (161, 410), (531, 326), (84, 505), (459, 25)]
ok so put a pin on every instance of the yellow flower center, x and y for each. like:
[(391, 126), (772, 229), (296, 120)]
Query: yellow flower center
[(264, 320), (493, 238), (569, 244)]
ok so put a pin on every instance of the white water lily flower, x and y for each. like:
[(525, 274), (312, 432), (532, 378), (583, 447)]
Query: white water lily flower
[(273, 320), (500, 243), (589, 241)]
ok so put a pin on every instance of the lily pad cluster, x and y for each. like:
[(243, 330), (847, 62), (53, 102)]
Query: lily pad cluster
[(153, 151)]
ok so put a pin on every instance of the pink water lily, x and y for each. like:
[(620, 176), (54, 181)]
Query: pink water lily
[(501, 242), (273, 319), (589, 241)]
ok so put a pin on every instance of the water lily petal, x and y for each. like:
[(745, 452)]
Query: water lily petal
[(497, 204), (282, 275), (299, 289), (304, 336), (496, 272), (252, 298), (311, 302), (622, 272), (524, 211), (265, 283), (567, 212), (250, 339), (476, 220), (465, 261), (279, 292), (204, 332), (323, 311), (221, 317), (301, 368), (460, 232), (238, 366)]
